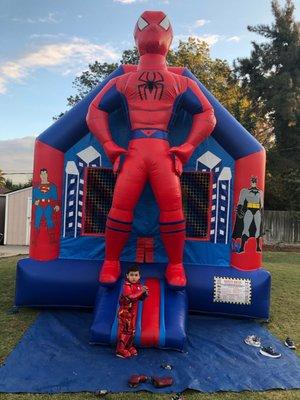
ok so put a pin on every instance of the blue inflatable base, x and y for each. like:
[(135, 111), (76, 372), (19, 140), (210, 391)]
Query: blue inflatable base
[(54, 356), (74, 283)]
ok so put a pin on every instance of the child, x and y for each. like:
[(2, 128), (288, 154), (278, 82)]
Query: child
[(132, 292)]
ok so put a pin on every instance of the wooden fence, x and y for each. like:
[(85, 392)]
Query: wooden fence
[(282, 227)]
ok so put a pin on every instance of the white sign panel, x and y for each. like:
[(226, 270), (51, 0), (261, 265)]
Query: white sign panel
[(232, 290)]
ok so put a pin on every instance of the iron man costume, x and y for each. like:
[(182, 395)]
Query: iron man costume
[(127, 314), (150, 96)]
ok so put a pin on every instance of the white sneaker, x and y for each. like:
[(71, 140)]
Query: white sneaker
[(253, 340)]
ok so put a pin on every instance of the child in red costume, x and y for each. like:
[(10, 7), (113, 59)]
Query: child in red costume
[(132, 292)]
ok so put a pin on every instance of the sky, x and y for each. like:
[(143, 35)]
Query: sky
[(45, 44)]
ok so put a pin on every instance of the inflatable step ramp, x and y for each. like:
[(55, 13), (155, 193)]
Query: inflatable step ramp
[(161, 320)]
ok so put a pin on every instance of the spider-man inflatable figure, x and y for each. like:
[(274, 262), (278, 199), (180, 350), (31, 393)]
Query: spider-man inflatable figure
[(151, 96)]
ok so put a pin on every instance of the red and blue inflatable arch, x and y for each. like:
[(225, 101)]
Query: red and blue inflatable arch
[(223, 185)]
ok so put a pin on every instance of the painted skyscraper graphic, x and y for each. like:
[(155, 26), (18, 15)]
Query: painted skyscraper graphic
[(220, 210), (73, 193)]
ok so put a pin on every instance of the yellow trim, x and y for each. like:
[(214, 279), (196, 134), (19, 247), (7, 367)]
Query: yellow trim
[(253, 205)]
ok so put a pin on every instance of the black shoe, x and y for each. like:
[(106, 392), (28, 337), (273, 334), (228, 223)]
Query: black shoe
[(269, 352), (290, 343)]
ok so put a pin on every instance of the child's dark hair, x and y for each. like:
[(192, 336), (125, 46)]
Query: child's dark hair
[(133, 268)]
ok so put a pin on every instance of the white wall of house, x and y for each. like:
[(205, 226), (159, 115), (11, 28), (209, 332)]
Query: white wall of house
[(18, 217)]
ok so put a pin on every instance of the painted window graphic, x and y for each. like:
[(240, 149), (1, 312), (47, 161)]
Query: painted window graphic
[(73, 194), (221, 189)]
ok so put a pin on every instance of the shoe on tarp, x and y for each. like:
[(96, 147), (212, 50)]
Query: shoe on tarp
[(253, 340), (269, 352), (290, 343)]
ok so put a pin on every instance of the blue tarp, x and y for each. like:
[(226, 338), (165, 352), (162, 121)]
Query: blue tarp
[(54, 356)]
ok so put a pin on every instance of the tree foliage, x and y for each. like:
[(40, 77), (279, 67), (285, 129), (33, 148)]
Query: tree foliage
[(2, 179), (85, 82), (271, 76), (282, 183), (8, 184)]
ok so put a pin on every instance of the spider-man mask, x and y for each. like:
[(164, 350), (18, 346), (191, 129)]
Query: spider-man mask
[(153, 33)]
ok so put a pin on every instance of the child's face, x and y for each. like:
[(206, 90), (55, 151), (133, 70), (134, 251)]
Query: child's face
[(133, 276)]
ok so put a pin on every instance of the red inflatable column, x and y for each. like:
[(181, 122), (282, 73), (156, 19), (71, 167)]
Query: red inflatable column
[(248, 211), (46, 202)]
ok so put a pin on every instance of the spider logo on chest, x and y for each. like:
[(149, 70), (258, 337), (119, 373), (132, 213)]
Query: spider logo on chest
[(152, 85)]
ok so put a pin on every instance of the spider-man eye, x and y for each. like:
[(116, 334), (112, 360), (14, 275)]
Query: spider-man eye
[(165, 23), (142, 23)]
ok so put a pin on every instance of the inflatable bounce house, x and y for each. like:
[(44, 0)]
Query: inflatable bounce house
[(222, 186)]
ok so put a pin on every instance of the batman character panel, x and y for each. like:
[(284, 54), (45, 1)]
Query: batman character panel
[(248, 221)]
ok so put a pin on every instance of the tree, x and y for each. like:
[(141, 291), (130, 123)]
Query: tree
[(282, 183), (8, 184), (130, 56), (271, 77), (2, 179)]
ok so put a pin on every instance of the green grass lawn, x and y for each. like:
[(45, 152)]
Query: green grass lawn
[(285, 321)]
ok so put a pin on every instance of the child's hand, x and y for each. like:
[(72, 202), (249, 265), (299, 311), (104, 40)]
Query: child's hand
[(145, 290)]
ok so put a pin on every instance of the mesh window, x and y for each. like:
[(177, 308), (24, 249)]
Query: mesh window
[(196, 189), (99, 189), (100, 183)]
